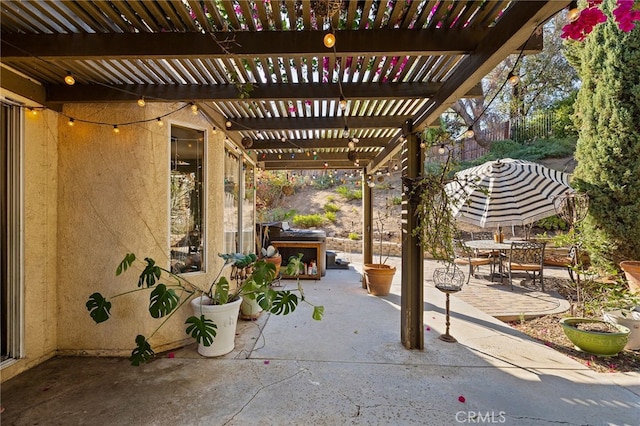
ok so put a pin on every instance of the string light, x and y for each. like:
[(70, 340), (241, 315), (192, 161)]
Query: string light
[(343, 103), (160, 122), (441, 149), (116, 129), (71, 122), (228, 124), (345, 132), (351, 144), (194, 109), (33, 111), (574, 12), (329, 40), (141, 101), (214, 130), (69, 79), (469, 133), (513, 78)]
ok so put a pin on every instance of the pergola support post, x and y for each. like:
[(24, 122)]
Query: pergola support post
[(412, 303), (367, 222)]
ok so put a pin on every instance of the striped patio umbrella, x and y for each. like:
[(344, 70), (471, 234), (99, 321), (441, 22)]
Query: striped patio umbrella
[(506, 192)]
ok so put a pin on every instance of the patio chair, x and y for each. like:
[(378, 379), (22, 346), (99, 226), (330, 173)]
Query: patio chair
[(525, 256), (465, 256)]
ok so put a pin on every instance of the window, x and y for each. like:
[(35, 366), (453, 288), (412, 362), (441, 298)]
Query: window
[(231, 206), (11, 240), (187, 199), (248, 209)]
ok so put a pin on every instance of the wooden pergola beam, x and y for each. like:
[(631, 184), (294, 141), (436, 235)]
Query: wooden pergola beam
[(73, 47)]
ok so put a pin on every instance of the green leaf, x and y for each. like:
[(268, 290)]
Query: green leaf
[(266, 298), (222, 291), (99, 308), (150, 274), (263, 273), (162, 301), (318, 312), (142, 353), (202, 329), (284, 303), (128, 260)]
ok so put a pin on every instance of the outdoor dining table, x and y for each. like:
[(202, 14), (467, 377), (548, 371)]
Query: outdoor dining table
[(490, 245)]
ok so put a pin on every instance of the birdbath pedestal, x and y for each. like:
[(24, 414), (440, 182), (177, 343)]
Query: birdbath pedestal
[(448, 280)]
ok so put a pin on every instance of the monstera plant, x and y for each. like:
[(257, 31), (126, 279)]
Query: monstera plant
[(169, 291)]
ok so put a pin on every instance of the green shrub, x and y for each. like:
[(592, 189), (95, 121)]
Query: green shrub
[(396, 201), (308, 221), (331, 208), (331, 199), (552, 223), (348, 193), (330, 216), (354, 236)]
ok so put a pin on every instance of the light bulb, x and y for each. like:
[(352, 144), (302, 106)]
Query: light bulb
[(115, 129), (423, 145), (326, 164), (469, 133), (33, 111), (343, 103), (194, 108), (141, 101), (441, 149), (345, 132), (513, 79), (574, 12), (69, 79), (228, 124), (214, 130), (329, 40), (71, 122), (351, 144), (160, 122)]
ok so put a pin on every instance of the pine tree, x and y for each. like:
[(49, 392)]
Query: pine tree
[(607, 116)]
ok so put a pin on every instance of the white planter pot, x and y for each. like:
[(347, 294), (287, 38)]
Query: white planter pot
[(631, 320), (225, 317), (250, 309)]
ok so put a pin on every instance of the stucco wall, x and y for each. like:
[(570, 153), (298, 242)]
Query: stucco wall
[(114, 199), (39, 239)]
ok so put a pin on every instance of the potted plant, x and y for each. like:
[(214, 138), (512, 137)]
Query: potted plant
[(378, 277), (169, 291), (597, 323)]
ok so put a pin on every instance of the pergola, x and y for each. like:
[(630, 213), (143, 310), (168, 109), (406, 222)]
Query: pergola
[(260, 71)]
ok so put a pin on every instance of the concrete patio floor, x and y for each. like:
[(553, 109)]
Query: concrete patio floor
[(348, 369)]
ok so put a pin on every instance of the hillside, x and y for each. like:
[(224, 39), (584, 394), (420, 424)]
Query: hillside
[(308, 200)]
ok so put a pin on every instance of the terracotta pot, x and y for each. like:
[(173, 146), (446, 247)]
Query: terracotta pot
[(378, 278), (276, 260), (631, 270)]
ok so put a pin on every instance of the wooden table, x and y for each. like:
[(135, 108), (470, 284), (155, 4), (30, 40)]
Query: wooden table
[(311, 250)]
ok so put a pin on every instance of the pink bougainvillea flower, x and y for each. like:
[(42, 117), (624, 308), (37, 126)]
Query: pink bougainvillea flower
[(461, 398), (292, 108), (171, 355), (427, 328), (266, 362), (307, 102)]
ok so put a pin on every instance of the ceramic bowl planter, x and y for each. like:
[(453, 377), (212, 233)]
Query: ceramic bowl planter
[(378, 278), (226, 319), (595, 342), (629, 319)]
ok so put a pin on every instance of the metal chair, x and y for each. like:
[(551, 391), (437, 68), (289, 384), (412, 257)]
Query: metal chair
[(465, 256), (528, 257)]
